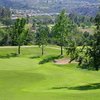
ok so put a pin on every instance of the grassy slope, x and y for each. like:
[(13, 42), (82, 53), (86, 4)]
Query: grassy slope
[(22, 78)]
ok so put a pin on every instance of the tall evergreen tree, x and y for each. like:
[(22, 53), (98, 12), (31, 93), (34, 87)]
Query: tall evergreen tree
[(61, 29)]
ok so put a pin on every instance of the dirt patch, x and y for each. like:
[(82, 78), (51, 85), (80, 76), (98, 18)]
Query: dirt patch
[(62, 61)]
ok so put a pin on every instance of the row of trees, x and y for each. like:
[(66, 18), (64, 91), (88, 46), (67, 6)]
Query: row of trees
[(19, 35), (63, 33), (81, 20)]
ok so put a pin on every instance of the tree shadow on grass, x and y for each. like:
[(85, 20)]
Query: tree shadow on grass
[(82, 88), (58, 88), (50, 58), (8, 56), (86, 87), (34, 57)]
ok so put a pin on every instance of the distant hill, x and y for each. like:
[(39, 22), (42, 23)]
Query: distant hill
[(87, 7)]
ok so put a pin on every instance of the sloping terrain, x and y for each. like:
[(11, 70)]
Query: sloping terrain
[(23, 78)]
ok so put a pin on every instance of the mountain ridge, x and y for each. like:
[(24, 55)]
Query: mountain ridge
[(49, 6)]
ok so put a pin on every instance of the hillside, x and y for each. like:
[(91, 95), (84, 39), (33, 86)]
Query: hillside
[(23, 78), (51, 6)]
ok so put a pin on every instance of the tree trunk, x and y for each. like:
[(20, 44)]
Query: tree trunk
[(19, 49), (42, 50), (97, 68), (95, 64), (61, 50)]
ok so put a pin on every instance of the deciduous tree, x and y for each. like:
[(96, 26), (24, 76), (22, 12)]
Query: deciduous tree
[(42, 36), (19, 33)]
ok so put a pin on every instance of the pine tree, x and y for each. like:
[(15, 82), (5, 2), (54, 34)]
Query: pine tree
[(61, 29)]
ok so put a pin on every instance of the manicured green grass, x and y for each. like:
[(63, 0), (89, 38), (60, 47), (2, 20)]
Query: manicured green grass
[(23, 78)]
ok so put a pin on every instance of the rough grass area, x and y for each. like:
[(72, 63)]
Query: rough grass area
[(24, 78)]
